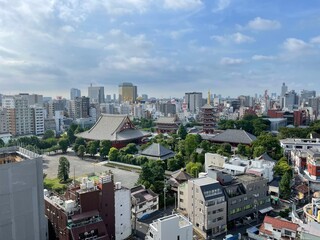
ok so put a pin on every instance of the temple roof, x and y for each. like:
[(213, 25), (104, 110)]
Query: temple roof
[(167, 120), (234, 136), (207, 106), (157, 151), (113, 127)]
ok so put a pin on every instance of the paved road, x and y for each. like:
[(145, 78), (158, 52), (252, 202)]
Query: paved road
[(86, 166)]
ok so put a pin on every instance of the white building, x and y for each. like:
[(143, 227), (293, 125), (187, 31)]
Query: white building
[(38, 120), (58, 118), (172, 227), (122, 205), (289, 144), (21, 195), (214, 160)]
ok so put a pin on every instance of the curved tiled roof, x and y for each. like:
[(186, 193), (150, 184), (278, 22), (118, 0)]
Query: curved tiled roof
[(156, 150), (112, 127), (234, 136)]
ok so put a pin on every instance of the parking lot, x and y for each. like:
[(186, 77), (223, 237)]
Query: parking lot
[(81, 167)]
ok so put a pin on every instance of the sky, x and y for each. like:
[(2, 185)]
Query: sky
[(165, 47)]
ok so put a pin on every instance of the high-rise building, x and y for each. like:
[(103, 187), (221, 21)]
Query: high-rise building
[(33, 98), (194, 101), (127, 92), (38, 119), (284, 89), (79, 107), (19, 115), (74, 93), (306, 94), (291, 100), (96, 94), (21, 202)]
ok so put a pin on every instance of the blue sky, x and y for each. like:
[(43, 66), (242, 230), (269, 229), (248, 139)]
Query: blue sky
[(165, 47)]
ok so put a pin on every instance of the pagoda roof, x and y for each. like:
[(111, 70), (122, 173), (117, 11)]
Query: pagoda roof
[(113, 127), (207, 106), (157, 151)]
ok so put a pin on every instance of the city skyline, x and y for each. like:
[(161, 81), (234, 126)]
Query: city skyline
[(166, 47)]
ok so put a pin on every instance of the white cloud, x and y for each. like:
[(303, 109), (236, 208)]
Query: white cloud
[(263, 24), (262, 57), (241, 38), (231, 61), (221, 5), (68, 29), (179, 33), (315, 40), (182, 4), (295, 45), (235, 38)]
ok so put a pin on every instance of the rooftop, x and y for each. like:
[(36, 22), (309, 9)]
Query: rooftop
[(15, 155), (234, 136), (156, 150), (280, 223)]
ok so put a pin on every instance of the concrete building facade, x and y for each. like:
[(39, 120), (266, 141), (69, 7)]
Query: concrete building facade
[(204, 201), (172, 227), (21, 202)]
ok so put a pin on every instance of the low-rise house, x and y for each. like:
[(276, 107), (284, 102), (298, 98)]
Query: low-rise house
[(213, 160), (178, 177), (172, 227), (144, 201), (275, 228), (274, 191)]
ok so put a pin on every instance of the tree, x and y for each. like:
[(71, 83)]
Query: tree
[(64, 143), (194, 168), (284, 185), (105, 146), (63, 169), (270, 143), (48, 134), (92, 148), (172, 164), (258, 151), (131, 148), (113, 154), (282, 167), (152, 173), (182, 132), (71, 136), (1, 143), (190, 144), (81, 151), (79, 141), (241, 149)]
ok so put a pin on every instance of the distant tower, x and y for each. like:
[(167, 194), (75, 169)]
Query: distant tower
[(207, 117)]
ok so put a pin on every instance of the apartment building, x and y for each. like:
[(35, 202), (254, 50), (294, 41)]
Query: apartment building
[(205, 203), (172, 227), (313, 163)]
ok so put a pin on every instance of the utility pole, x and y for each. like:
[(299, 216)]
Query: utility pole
[(164, 195)]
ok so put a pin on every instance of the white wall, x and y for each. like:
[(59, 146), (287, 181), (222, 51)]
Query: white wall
[(122, 213), (213, 159)]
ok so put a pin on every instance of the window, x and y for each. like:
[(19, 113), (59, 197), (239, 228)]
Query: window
[(178, 238), (181, 200), (151, 235)]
